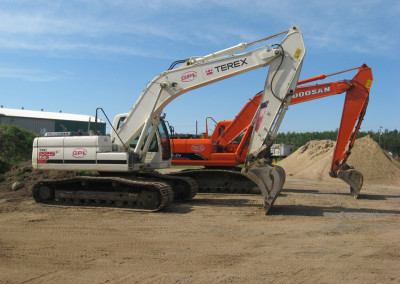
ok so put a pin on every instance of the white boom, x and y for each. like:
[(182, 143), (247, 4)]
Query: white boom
[(285, 60)]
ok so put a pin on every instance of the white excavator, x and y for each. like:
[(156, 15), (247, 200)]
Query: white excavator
[(139, 143)]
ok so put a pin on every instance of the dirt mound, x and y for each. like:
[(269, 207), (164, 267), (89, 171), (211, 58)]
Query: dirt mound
[(28, 177), (374, 163), (313, 161)]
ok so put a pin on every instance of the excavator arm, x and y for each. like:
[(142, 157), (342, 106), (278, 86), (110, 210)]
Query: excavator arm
[(354, 108)]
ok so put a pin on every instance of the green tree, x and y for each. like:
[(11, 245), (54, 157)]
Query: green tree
[(15, 146)]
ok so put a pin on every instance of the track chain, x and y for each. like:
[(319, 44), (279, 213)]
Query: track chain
[(185, 188), (127, 192), (220, 181)]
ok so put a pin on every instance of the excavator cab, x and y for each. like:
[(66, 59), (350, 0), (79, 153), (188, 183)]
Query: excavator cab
[(161, 140)]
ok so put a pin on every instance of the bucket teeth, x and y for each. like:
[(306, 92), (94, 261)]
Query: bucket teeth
[(353, 178), (270, 180)]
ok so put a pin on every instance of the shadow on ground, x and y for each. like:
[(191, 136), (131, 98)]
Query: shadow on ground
[(305, 210)]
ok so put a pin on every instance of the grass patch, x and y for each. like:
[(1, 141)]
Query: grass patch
[(84, 173)]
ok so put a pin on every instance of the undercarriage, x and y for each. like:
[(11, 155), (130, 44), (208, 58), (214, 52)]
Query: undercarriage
[(137, 193)]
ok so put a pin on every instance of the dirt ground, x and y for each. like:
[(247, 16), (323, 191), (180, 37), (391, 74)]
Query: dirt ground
[(316, 232)]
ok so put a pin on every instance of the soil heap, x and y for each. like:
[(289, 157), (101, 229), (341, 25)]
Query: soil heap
[(313, 161), (27, 177), (16, 166)]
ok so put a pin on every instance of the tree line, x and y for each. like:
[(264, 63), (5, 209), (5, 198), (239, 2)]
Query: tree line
[(388, 140)]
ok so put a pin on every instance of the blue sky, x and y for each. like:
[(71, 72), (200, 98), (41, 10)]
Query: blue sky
[(76, 56)]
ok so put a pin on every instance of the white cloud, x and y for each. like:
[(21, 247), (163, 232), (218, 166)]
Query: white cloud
[(27, 75), (140, 28)]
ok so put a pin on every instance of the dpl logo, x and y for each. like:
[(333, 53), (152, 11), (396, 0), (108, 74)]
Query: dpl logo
[(189, 76), (198, 148), (79, 153)]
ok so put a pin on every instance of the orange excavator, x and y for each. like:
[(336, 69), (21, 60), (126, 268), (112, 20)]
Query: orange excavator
[(222, 150)]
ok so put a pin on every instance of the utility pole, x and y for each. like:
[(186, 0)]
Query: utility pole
[(380, 134)]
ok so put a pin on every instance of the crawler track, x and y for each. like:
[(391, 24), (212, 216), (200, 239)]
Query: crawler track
[(220, 180), (185, 188), (128, 192)]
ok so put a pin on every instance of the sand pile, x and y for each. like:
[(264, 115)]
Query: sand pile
[(313, 161), (27, 177)]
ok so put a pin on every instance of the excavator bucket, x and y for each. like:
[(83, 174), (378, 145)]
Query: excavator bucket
[(270, 180), (353, 178)]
